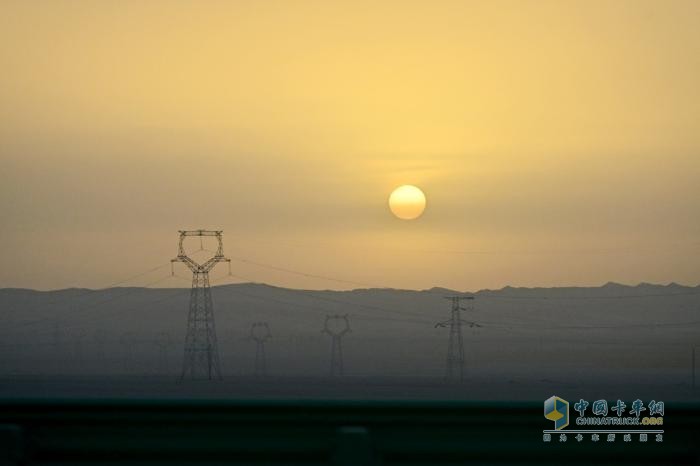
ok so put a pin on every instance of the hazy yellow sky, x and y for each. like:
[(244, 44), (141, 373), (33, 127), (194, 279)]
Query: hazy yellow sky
[(558, 142)]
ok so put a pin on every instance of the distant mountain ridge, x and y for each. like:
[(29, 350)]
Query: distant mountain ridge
[(436, 289), (117, 330)]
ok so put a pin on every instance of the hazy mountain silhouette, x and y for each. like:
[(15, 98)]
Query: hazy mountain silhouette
[(116, 330)]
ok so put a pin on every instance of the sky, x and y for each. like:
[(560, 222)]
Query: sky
[(557, 142)]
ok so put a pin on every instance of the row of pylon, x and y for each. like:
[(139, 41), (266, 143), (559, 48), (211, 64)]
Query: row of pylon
[(260, 333), (201, 358)]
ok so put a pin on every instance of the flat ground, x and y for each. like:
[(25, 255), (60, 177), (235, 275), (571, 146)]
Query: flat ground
[(482, 386)]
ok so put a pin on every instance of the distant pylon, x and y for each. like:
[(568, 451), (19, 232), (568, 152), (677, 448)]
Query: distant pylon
[(336, 333), (260, 332), (454, 369), (201, 350)]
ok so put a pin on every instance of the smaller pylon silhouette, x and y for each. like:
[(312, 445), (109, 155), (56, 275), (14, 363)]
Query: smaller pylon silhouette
[(260, 332), (454, 369), (336, 332)]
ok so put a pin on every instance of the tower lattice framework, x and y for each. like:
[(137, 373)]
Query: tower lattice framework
[(454, 368), (337, 367), (260, 332), (201, 359)]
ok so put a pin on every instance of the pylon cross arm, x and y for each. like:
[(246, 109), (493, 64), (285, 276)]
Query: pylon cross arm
[(196, 267), (471, 324), (201, 232), (208, 265), (327, 329), (192, 265)]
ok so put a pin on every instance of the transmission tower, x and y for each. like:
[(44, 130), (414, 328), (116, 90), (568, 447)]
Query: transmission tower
[(201, 351), (336, 332), (260, 332), (455, 351)]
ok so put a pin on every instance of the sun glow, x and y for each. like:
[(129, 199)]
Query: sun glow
[(407, 202)]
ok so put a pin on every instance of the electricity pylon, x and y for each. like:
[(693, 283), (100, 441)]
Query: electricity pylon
[(201, 352), (336, 334), (260, 332), (455, 351)]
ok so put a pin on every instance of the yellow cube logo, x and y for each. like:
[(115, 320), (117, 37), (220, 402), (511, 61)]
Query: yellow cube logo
[(557, 409)]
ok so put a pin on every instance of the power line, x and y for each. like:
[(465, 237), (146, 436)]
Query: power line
[(480, 294), (365, 306), (384, 248), (313, 295), (87, 292), (303, 274), (586, 327), (305, 307), (180, 293), (129, 291), (482, 323), (568, 298)]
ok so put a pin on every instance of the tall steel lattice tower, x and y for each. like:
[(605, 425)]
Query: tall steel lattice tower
[(336, 332), (260, 332), (454, 369), (201, 350)]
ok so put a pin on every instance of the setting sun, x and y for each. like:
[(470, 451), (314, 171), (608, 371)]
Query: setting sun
[(407, 202)]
